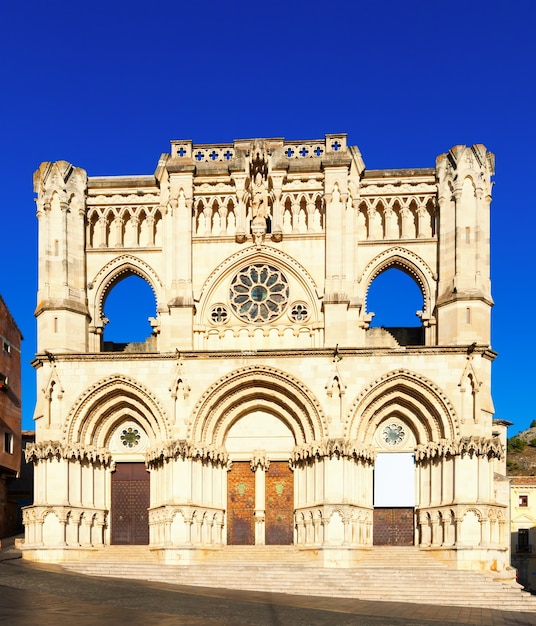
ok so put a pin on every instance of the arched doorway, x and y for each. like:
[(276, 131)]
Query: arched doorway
[(394, 482), (130, 491), (394, 499), (260, 483), (130, 504)]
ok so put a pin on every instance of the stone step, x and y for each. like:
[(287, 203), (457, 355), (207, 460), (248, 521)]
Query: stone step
[(456, 588), (402, 574)]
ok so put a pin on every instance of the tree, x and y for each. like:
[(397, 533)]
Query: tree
[(516, 444)]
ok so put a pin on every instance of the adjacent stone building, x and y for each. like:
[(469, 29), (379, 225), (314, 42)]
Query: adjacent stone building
[(265, 408), (523, 529), (10, 416)]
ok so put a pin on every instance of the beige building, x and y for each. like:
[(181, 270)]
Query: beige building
[(523, 528), (265, 408)]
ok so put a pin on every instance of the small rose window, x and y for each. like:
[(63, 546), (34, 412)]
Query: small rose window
[(299, 312), (130, 437), (219, 314), (393, 434)]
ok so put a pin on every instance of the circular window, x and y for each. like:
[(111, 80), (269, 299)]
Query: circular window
[(130, 437), (299, 312), (259, 293), (393, 434), (219, 314)]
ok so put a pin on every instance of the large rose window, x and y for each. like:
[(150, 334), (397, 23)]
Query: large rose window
[(259, 293)]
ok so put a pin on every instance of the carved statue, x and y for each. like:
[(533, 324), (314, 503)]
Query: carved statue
[(259, 198)]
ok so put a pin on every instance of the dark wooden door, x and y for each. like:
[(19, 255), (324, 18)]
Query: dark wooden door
[(130, 501), (279, 504), (241, 504), (393, 526)]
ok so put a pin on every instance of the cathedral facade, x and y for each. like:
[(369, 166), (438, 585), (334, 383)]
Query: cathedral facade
[(266, 408)]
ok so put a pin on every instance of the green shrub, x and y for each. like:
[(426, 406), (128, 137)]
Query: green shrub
[(533, 424), (516, 444), (532, 443)]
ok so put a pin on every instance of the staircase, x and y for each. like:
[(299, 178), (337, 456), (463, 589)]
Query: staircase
[(395, 574)]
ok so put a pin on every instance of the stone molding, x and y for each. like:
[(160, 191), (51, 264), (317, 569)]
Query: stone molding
[(464, 446), (332, 448), (434, 402), (259, 460), (234, 388), (37, 514), (48, 450), (184, 449), (79, 419)]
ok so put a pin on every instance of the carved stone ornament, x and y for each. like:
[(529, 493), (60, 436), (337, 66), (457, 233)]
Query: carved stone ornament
[(181, 448), (470, 446), (47, 450), (259, 461), (328, 448)]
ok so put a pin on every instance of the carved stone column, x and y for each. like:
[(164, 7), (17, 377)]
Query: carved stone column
[(260, 464), (485, 531)]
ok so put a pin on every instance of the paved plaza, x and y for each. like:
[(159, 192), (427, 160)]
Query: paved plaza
[(45, 595)]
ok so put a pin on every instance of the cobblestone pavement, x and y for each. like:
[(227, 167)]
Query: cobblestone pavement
[(45, 595)]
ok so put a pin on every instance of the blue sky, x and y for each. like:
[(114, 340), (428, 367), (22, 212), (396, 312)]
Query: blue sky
[(107, 85)]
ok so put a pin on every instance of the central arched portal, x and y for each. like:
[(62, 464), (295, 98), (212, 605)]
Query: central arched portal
[(394, 499), (260, 483)]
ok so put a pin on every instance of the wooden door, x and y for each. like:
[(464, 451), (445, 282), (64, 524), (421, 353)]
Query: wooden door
[(130, 501), (279, 504), (393, 526), (241, 504)]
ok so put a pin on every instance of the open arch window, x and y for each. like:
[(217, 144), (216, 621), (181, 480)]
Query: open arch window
[(397, 302), (129, 307)]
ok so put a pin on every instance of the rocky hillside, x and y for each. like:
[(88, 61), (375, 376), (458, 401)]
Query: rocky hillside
[(521, 457)]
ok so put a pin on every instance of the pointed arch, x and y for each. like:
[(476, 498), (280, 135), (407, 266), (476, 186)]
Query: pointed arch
[(267, 255), (118, 268), (257, 388), (412, 398), (410, 263), (107, 403)]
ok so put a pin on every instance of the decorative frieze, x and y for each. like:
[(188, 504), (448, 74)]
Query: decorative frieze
[(183, 449), (329, 448), (48, 450), (470, 446)]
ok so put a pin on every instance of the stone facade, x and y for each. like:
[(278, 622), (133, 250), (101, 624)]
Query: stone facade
[(264, 389)]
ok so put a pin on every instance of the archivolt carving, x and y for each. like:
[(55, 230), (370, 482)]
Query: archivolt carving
[(329, 448), (48, 450), (409, 262), (413, 398), (257, 387), (183, 449), (109, 401)]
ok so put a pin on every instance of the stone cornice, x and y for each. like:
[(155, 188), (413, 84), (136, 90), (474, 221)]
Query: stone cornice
[(48, 450), (485, 351), (184, 449), (332, 448), (464, 446)]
